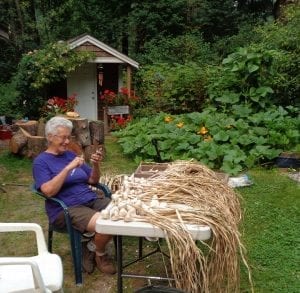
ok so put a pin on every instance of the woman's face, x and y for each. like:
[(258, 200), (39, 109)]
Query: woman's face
[(59, 141)]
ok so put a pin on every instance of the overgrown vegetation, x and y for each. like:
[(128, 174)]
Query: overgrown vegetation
[(245, 104), (230, 143)]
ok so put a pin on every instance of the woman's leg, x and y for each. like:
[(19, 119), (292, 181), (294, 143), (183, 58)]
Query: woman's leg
[(104, 264), (101, 240)]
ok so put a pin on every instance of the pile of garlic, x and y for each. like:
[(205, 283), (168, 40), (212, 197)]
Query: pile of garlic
[(135, 198)]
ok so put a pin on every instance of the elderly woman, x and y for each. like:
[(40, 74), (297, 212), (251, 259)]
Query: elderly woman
[(61, 173)]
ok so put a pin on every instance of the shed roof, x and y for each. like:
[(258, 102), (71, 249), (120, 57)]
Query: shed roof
[(113, 56)]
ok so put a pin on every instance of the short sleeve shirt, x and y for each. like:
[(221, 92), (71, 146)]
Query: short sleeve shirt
[(74, 191)]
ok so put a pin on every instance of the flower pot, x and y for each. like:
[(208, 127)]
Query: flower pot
[(5, 134)]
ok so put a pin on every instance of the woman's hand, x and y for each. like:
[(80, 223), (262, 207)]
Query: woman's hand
[(77, 162), (95, 159), (52, 187), (97, 156)]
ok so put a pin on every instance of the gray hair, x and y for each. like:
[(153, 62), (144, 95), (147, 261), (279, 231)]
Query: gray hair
[(56, 122)]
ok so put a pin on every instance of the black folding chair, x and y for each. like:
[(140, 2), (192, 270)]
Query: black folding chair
[(75, 236)]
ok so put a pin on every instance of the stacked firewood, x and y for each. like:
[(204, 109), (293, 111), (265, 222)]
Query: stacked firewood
[(29, 139)]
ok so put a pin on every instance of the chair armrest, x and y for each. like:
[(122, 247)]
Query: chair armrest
[(14, 227), (58, 201), (104, 188), (26, 261)]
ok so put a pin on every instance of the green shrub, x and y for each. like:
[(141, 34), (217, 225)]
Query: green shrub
[(221, 141), (9, 100), (181, 49), (244, 78), (42, 67), (173, 88)]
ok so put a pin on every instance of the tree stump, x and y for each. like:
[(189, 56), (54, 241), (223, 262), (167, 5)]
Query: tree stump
[(25, 144), (30, 126), (97, 132), (18, 141), (29, 138), (41, 128), (36, 145), (81, 130)]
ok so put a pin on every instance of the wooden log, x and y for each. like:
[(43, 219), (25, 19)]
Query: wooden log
[(35, 145), (30, 126), (81, 130), (41, 128), (18, 141), (25, 144), (91, 149), (97, 132)]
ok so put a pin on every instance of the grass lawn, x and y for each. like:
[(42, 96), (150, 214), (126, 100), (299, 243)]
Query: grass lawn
[(270, 228)]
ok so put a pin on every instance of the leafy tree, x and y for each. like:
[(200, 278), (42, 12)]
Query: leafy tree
[(155, 19), (42, 67), (182, 49), (217, 18)]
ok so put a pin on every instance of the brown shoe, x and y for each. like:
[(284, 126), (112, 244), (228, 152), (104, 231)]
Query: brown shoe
[(105, 264), (88, 259)]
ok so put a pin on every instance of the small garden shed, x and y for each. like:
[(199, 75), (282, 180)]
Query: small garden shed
[(110, 70)]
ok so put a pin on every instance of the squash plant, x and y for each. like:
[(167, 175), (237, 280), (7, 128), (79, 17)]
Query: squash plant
[(244, 78), (221, 141)]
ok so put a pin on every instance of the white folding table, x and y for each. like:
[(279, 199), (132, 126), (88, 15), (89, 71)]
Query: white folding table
[(140, 229)]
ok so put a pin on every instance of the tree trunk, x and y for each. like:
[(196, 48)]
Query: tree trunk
[(97, 132), (18, 141), (81, 131), (25, 144), (36, 145), (30, 126), (29, 138)]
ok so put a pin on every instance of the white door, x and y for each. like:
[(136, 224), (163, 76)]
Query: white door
[(83, 82)]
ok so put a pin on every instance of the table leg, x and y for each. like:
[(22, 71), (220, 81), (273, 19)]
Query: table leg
[(119, 264), (140, 247)]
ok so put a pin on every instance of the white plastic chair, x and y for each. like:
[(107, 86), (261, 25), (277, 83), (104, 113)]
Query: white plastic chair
[(40, 273)]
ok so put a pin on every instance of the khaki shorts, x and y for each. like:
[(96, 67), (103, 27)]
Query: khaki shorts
[(81, 215)]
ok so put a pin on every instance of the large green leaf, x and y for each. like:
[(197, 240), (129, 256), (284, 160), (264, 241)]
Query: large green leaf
[(221, 136)]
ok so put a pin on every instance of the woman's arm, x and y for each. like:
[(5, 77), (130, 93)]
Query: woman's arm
[(52, 187), (95, 173)]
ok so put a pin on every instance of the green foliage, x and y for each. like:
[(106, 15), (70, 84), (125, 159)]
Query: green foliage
[(230, 142), (155, 20), (247, 34), (265, 71), (284, 37), (8, 100), (42, 67), (182, 49), (173, 88), (244, 79), (50, 64), (217, 18)]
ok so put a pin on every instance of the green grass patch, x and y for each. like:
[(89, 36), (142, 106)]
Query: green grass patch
[(271, 230)]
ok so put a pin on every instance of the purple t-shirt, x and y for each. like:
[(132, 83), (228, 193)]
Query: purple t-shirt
[(74, 191)]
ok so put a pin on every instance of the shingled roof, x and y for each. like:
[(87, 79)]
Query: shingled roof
[(103, 52)]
